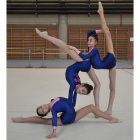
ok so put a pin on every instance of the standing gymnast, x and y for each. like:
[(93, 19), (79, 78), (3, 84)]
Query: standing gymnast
[(109, 61), (73, 70), (67, 117)]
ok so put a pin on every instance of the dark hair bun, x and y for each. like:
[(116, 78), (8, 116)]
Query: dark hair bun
[(95, 36), (88, 87), (91, 87)]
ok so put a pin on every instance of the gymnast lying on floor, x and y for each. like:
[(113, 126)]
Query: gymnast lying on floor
[(68, 116)]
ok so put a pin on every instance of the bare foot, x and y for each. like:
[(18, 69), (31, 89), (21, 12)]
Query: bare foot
[(42, 34), (17, 119), (115, 120), (100, 9), (37, 31), (108, 112)]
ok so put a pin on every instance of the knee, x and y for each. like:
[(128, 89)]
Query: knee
[(92, 106), (97, 85), (112, 88)]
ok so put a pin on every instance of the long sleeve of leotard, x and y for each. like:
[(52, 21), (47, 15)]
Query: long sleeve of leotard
[(54, 119), (74, 98), (89, 33), (71, 97), (91, 54)]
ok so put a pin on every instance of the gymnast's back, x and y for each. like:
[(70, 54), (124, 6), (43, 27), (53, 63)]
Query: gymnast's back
[(83, 66)]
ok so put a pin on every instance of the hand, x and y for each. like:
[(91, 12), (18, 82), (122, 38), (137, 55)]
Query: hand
[(54, 134), (42, 34), (71, 47)]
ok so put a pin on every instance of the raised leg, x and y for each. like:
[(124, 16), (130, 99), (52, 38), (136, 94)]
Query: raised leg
[(35, 119), (112, 78), (96, 91), (105, 29), (92, 109), (61, 45), (109, 45)]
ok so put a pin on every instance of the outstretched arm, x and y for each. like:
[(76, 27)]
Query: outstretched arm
[(89, 33), (54, 124), (72, 97), (84, 57)]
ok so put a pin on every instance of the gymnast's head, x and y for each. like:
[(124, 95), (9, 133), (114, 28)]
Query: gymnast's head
[(43, 110), (92, 40), (84, 89)]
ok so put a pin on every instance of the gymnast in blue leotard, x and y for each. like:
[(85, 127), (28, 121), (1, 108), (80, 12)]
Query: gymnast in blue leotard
[(70, 76), (93, 55), (68, 116), (73, 70), (109, 61), (61, 104), (75, 82)]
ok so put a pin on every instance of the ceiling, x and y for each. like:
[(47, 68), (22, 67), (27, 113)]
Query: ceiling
[(68, 7)]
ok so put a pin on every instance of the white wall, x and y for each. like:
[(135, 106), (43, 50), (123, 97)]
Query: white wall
[(95, 19), (31, 19), (72, 19)]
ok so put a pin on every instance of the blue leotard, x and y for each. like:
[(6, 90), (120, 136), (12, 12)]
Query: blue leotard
[(62, 105), (73, 78), (108, 61)]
